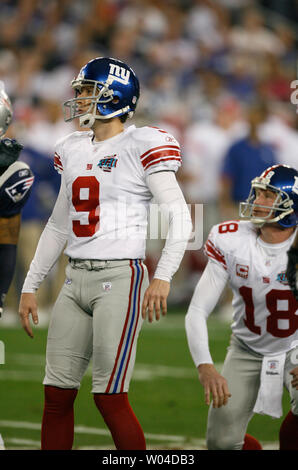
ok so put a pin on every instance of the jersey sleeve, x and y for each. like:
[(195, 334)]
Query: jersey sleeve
[(15, 188), (215, 248), (58, 156), (159, 151)]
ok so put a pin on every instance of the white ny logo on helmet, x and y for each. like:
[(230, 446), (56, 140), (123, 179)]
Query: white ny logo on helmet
[(119, 73)]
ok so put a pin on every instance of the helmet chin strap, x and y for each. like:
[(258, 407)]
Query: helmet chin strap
[(87, 120)]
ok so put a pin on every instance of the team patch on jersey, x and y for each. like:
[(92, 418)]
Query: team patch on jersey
[(242, 270), (18, 190), (107, 286), (272, 367), (89, 166), (266, 280), (107, 163), (282, 278)]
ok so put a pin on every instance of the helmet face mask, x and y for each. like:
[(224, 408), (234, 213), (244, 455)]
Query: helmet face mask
[(282, 180), (113, 92), (5, 110)]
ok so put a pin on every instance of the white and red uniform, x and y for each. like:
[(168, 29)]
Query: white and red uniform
[(106, 189), (101, 216), (264, 326), (264, 309)]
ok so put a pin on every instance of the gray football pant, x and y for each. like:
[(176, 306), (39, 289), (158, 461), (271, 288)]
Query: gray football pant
[(227, 425), (97, 315)]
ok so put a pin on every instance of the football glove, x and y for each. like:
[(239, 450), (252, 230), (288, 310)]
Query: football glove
[(10, 150), (292, 270)]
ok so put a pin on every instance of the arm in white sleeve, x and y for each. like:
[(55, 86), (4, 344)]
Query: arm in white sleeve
[(168, 195), (205, 298), (51, 243)]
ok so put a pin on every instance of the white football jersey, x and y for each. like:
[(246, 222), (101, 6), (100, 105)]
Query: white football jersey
[(265, 313), (107, 192)]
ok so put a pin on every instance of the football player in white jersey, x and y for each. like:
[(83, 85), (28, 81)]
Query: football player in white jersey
[(251, 255), (292, 268), (108, 178)]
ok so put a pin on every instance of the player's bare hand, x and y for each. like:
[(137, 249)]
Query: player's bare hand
[(155, 299), (294, 373), (214, 384), (27, 307)]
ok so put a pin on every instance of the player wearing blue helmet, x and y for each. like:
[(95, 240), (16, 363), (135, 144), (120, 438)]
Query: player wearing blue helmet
[(113, 92), (283, 182), (109, 175), (251, 255)]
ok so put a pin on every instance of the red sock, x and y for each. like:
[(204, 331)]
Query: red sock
[(251, 443), (288, 433), (57, 429), (121, 421)]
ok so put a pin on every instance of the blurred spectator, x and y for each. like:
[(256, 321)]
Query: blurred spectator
[(280, 133), (252, 37), (206, 88), (245, 159), (275, 84), (205, 146), (206, 23)]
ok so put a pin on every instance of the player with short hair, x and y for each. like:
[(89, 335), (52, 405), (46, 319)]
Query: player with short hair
[(108, 178), (251, 255), (16, 180)]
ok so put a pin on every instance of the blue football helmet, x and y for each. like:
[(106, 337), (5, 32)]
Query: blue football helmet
[(283, 180), (115, 92)]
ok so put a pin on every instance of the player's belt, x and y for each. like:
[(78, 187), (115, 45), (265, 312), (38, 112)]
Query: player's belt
[(96, 264)]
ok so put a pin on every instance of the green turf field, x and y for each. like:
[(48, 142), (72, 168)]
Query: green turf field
[(165, 392)]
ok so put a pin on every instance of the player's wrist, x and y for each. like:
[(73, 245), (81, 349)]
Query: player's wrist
[(205, 366)]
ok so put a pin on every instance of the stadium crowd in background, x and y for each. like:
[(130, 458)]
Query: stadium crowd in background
[(201, 64)]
